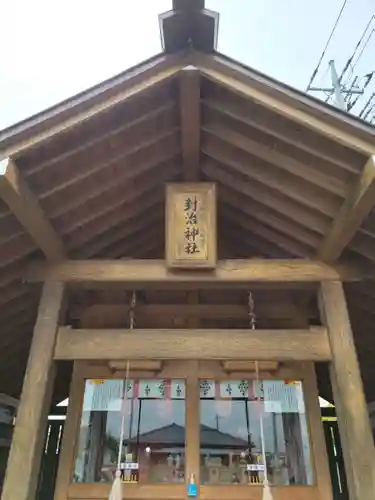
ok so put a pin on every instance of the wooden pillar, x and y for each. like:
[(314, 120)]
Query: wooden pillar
[(317, 441), (71, 431), (192, 444), (348, 393), (28, 438)]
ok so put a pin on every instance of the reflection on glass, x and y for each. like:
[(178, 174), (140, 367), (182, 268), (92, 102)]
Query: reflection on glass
[(230, 443), (154, 431)]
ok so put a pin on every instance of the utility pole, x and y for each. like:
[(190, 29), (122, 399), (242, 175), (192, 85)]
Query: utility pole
[(339, 97), (337, 89)]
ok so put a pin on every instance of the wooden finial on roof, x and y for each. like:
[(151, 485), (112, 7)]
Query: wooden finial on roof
[(189, 25)]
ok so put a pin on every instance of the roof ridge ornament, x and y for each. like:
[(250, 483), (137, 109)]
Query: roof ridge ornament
[(189, 25)]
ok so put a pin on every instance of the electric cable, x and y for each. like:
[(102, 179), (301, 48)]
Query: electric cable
[(326, 46)]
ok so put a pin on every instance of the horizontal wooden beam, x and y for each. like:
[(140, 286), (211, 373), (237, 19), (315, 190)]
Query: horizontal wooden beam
[(25, 207), (118, 314), (282, 345), (154, 272), (250, 366)]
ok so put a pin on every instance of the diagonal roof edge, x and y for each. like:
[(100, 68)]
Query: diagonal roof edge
[(267, 90), (356, 134), (43, 125)]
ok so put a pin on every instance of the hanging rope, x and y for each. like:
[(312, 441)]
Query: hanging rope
[(116, 491), (267, 494)]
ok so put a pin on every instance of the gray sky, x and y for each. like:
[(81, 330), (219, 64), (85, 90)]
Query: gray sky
[(52, 49)]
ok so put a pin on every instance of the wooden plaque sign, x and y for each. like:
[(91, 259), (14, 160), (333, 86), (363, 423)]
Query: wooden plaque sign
[(191, 225)]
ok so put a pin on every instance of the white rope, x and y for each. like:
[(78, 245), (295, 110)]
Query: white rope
[(125, 398), (252, 318), (123, 416), (262, 440)]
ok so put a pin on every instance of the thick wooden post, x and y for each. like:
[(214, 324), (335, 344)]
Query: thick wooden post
[(28, 438), (348, 393)]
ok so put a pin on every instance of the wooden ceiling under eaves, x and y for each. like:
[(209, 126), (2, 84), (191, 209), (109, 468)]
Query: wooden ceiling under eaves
[(97, 165)]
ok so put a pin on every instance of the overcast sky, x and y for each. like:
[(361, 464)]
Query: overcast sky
[(51, 50)]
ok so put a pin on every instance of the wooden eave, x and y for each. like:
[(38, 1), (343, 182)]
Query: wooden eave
[(295, 180)]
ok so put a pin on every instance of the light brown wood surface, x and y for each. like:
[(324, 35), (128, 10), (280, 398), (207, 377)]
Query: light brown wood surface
[(354, 210), (352, 413), (149, 272), (175, 226), (71, 430), (28, 437), (25, 206), (190, 117), (281, 345)]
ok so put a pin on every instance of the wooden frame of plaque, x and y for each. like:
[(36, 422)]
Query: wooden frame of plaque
[(190, 229)]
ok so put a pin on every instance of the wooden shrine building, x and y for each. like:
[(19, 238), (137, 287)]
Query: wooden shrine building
[(201, 238)]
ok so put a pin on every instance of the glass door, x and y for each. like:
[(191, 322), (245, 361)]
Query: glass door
[(231, 449), (176, 430), (153, 418)]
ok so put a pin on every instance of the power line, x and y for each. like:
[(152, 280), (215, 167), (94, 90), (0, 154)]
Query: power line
[(347, 95), (326, 46), (349, 62)]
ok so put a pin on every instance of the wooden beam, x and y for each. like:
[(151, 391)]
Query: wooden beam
[(96, 100), (24, 205), (152, 272), (145, 116), (306, 195), (118, 314), (355, 209), (269, 217), (283, 345), (262, 194), (190, 112), (265, 153), (279, 99), (28, 438), (250, 366), (268, 125), (349, 398)]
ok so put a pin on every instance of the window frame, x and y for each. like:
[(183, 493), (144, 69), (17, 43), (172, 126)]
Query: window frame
[(192, 372)]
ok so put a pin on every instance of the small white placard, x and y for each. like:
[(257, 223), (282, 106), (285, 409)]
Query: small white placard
[(255, 467), (129, 466)]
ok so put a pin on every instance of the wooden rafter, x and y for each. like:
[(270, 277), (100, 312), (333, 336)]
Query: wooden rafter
[(128, 85), (273, 236), (190, 122), (273, 157), (269, 217), (353, 212), (227, 272), (94, 145), (24, 205), (253, 86), (266, 197), (272, 128), (132, 148), (294, 188)]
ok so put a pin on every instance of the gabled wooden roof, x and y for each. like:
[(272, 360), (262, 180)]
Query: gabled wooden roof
[(85, 179)]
